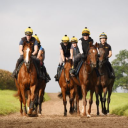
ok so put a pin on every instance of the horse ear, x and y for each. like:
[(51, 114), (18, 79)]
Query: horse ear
[(97, 45)]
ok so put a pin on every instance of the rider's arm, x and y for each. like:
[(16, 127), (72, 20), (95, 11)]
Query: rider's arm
[(35, 48), (71, 52), (80, 46), (110, 54), (62, 55), (21, 49), (40, 53)]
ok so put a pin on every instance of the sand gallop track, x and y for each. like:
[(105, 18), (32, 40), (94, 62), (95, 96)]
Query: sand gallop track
[(52, 117)]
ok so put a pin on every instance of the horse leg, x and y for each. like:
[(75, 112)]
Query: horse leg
[(97, 99), (90, 103), (20, 99), (28, 100), (109, 95), (32, 89), (100, 93), (71, 101), (84, 92), (104, 100), (77, 101), (64, 100), (24, 100), (39, 100)]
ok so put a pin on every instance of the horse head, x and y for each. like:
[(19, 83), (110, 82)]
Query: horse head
[(92, 55), (102, 58), (67, 67), (27, 52)]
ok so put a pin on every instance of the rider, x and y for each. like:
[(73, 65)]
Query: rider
[(83, 45), (41, 57), (108, 52), (66, 52), (28, 38), (74, 42)]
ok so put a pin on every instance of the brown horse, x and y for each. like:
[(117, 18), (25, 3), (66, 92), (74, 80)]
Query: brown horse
[(105, 83), (87, 77), (67, 85), (27, 79)]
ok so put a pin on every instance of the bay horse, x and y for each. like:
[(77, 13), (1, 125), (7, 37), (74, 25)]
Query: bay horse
[(87, 77), (67, 85), (27, 79), (105, 83)]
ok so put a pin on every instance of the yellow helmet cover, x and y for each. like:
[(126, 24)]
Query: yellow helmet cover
[(74, 40), (28, 31), (65, 39), (37, 38), (85, 31)]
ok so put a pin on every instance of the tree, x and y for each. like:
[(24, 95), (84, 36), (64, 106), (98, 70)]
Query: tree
[(120, 65)]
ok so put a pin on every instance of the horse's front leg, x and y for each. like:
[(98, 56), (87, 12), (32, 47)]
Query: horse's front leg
[(77, 100), (32, 89), (84, 92), (90, 103), (23, 99), (28, 100), (109, 95), (97, 99), (64, 100), (20, 99), (104, 100)]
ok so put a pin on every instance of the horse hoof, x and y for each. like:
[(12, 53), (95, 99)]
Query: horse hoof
[(65, 114), (88, 116)]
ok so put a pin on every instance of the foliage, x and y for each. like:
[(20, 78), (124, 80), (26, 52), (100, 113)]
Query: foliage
[(120, 65)]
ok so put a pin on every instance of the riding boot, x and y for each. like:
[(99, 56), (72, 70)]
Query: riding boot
[(73, 70), (110, 70), (57, 75), (14, 74)]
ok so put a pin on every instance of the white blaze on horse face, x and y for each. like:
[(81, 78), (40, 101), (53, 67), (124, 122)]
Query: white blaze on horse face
[(27, 55), (94, 51)]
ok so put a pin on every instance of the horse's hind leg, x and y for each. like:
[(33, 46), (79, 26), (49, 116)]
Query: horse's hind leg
[(90, 102), (64, 100), (40, 99)]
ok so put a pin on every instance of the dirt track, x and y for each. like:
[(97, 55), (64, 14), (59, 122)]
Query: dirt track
[(52, 116)]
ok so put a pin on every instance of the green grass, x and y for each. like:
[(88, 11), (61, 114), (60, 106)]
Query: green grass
[(119, 104), (10, 104)]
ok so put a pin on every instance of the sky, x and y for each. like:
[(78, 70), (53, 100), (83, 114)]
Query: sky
[(52, 19)]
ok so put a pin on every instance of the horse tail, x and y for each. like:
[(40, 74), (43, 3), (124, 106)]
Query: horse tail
[(79, 92)]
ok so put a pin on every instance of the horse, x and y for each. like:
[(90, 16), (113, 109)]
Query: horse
[(87, 77), (105, 83), (27, 79), (67, 86)]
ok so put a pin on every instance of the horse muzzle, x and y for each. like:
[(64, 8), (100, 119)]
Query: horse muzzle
[(27, 64), (68, 81), (93, 65)]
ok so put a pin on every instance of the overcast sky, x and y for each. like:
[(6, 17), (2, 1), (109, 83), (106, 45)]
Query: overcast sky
[(52, 19)]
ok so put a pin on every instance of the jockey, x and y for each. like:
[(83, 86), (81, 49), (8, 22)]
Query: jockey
[(83, 45), (41, 57), (28, 38), (74, 42), (108, 52), (66, 52)]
